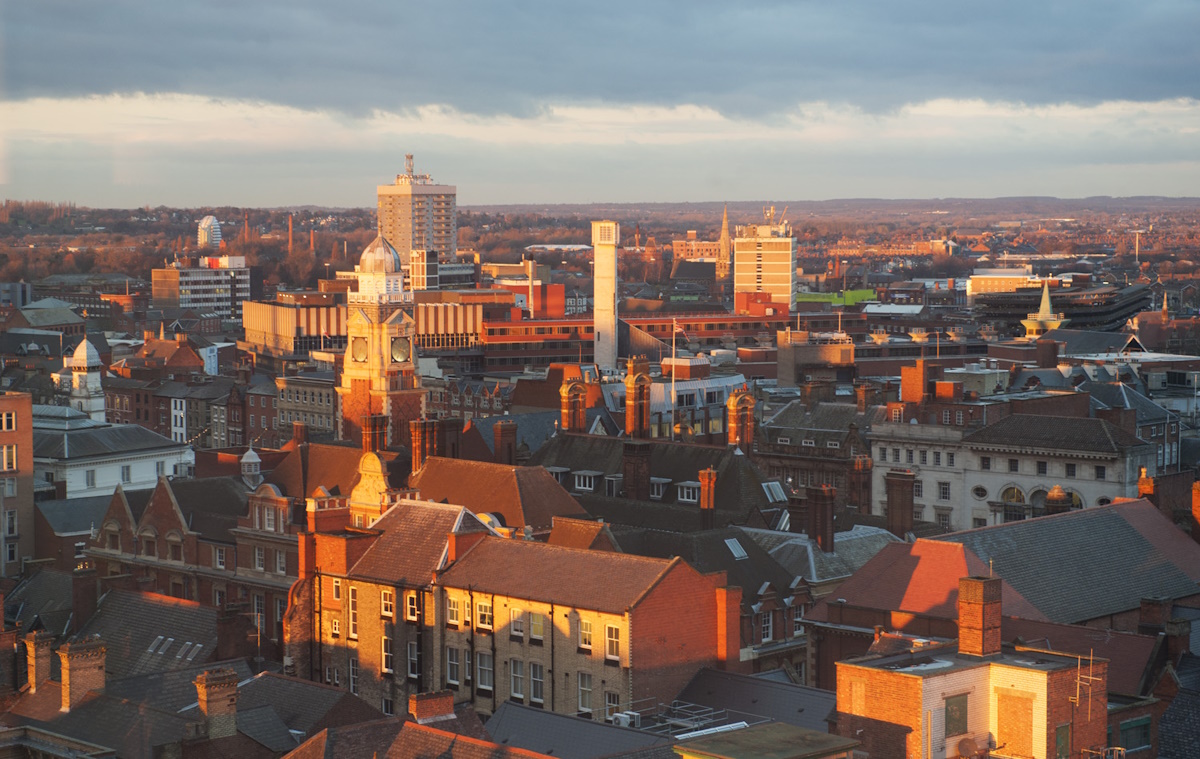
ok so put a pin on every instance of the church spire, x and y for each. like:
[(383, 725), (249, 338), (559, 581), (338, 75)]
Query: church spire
[(1045, 312), (724, 243)]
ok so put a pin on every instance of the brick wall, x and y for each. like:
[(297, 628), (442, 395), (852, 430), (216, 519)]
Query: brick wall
[(882, 709)]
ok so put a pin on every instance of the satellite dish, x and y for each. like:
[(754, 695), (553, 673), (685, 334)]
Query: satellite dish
[(967, 748)]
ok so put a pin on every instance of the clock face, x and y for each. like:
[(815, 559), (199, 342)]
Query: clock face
[(401, 349), (358, 349)]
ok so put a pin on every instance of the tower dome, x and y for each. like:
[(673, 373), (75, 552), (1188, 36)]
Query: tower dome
[(379, 258), (86, 356)]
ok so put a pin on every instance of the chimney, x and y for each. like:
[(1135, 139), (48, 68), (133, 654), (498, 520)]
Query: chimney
[(635, 468), (1153, 615), (449, 438), (729, 635), (458, 543), (504, 440), (374, 433), (865, 395), (435, 706), (708, 497), (914, 382), (424, 434), (1179, 637), (820, 515), (299, 433), (1045, 352), (979, 616), (898, 484), (82, 670), (1125, 418), (637, 398), (84, 593), (1145, 486), (1196, 511), (797, 509), (739, 422), (574, 411), (38, 650), (217, 691)]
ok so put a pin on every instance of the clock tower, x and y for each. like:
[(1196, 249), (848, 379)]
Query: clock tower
[(379, 370)]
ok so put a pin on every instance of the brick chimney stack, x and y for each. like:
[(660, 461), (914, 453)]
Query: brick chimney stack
[(865, 395), (574, 406), (820, 515), (979, 616), (39, 647), (374, 433), (299, 433), (637, 398), (217, 691), (504, 437), (425, 443), (797, 509), (898, 484), (708, 497), (82, 670), (1046, 352), (1196, 511), (635, 467), (435, 706)]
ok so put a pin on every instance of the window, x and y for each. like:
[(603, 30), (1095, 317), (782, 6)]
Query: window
[(766, 628), (516, 672), (945, 416), (260, 558), (937, 458), (923, 457), (10, 552), (908, 456), (452, 666), (269, 519), (484, 675), (1071, 471), (537, 626), (1062, 742), (1101, 472), (918, 489), (797, 620), (335, 627), (688, 493), (979, 522), (956, 715), (585, 634), (657, 489), (453, 611), (10, 457), (10, 523), (160, 468), (414, 660), (958, 418), (10, 487), (536, 682), (1014, 465), (949, 459), (943, 491), (979, 491), (219, 597), (483, 614), (337, 589), (280, 561), (386, 707), (882, 453), (612, 704), (897, 414), (516, 623), (585, 482), (354, 675), (385, 648), (895, 454), (1135, 734), (943, 520), (612, 642), (126, 473), (8, 421), (353, 612), (410, 606), (1042, 468), (387, 603), (585, 692), (985, 463), (89, 477)]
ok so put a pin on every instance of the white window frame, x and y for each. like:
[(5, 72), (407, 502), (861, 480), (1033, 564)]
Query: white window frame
[(354, 675), (766, 627), (453, 666), (414, 660), (387, 603), (516, 678), (687, 492), (337, 589), (453, 611), (537, 683), (516, 623), (260, 558), (612, 642), (485, 671), (280, 561), (335, 627), (218, 557), (483, 615), (410, 606), (585, 634), (537, 626), (386, 657), (352, 633), (584, 682)]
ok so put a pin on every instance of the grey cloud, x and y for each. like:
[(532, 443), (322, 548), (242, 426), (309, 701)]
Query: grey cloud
[(488, 57)]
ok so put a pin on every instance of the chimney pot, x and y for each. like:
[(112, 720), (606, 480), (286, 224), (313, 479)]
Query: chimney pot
[(979, 610)]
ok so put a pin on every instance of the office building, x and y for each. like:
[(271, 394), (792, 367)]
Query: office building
[(416, 214), (210, 284), (606, 235), (208, 233), (764, 259)]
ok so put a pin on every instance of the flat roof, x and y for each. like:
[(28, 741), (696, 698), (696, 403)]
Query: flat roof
[(773, 740)]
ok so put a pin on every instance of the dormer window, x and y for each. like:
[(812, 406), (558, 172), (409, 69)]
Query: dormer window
[(658, 488), (585, 481), (809, 443), (688, 492)]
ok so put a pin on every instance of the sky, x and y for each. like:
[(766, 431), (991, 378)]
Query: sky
[(270, 103)]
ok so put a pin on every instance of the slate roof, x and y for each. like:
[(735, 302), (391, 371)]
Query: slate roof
[(1179, 726), (792, 704), (597, 580), (1120, 395), (170, 690), (920, 578), (565, 736), (335, 467), (1075, 342), (97, 441), (412, 542), (534, 428), (709, 551), (41, 601), (519, 495), (799, 554), (50, 317), (1054, 561), (211, 505), (1033, 432), (130, 622), (825, 422)]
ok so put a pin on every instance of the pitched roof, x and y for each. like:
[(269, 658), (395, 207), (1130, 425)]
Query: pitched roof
[(170, 690), (98, 441), (534, 428), (598, 580), (792, 704), (582, 533), (41, 601), (425, 742), (920, 578), (825, 422), (334, 467), (565, 736), (147, 632), (519, 495), (1130, 656), (801, 557), (364, 739), (1054, 561), (1121, 395), (1076, 342), (412, 542), (1038, 433)]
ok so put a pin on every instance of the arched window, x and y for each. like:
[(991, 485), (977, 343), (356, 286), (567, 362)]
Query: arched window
[(1013, 494)]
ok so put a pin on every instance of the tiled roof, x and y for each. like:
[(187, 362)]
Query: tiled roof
[(520, 495), (145, 632), (366, 739), (581, 533), (425, 742), (1038, 433), (412, 542), (920, 578), (597, 580), (1054, 561), (334, 467), (801, 557), (825, 422), (565, 736), (797, 705)]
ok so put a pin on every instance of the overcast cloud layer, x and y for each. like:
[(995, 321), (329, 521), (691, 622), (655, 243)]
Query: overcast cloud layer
[(270, 103)]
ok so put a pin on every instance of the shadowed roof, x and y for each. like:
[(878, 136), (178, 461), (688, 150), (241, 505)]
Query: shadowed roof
[(412, 542)]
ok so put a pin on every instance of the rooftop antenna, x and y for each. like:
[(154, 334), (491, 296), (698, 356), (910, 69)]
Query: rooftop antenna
[(408, 164)]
